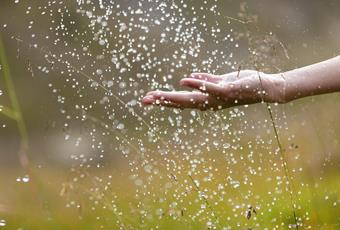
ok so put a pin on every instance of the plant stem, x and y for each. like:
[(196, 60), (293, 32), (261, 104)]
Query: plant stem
[(283, 157), (206, 201), (8, 112), (14, 113)]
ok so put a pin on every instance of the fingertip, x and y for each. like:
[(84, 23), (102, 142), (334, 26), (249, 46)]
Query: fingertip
[(185, 82), (150, 93), (182, 82), (148, 100)]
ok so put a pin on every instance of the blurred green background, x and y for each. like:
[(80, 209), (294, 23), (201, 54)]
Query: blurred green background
[(81, 173)]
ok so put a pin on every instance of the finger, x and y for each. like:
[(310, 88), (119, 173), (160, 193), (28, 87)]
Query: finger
[(204, 86), (206, 77), (183, 100), (151, 93), (150, 100)]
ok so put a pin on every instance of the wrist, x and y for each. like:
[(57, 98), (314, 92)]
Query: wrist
[(275, 87), (293, 89)]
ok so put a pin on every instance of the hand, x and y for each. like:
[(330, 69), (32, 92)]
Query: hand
[(222, 91)]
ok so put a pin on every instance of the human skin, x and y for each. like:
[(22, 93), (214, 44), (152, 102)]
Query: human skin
[(214, 92)]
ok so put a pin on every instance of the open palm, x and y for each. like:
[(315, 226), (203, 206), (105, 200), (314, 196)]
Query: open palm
[(221, 91)]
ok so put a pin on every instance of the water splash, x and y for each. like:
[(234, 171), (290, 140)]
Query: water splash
[(100, 58)]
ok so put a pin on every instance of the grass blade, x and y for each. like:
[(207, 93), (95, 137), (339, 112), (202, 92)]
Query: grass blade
[(16, 110), (8, 112), (283, 157)]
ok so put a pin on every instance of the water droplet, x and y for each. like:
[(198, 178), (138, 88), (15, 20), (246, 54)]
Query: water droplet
[(2, 223), (26, 179)]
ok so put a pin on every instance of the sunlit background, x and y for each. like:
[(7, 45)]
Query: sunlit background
[(79, 151)]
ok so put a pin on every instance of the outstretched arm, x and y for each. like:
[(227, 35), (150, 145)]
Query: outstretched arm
[(320, 78), (249, 86)]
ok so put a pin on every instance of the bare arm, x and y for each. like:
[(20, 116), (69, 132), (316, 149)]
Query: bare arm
[(320, 78), (249, 87)]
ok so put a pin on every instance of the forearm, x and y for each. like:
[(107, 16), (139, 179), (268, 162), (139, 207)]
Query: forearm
[(320, 78)]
